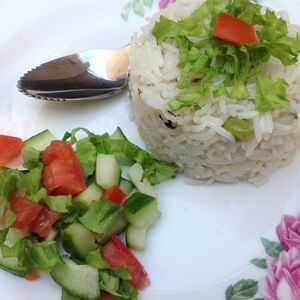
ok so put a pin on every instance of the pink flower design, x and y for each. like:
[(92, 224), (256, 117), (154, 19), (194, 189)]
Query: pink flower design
[(164, 3), (283, 278), (288, 232)]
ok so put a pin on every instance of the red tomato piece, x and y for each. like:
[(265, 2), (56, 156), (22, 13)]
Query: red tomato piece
[(232, 29), (25, 210), (62, 173), (44, 221), (106, 296), (63, 178), (32, 275), (59, 150), (10, 148), (115, 194), (117, 255)]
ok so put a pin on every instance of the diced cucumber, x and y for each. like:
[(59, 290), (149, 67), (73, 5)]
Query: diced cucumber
[(40, 141), (78, 241), (136, 238), (117, 227), (121, 157), (135, 174), (52, 235), (108, 171), (12, 265), (65, 295), (14, 235), (79, 280), (126, 186), (140, 210), (118, 134), (92, 193)]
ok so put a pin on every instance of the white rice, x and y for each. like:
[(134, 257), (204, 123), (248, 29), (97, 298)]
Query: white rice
[(199, 144)]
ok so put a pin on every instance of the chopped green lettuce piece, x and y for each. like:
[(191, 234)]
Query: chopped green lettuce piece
[(122, 273), (155, 169), (270, 95), (95, 259), (42, 255), (127, 290), (100, 216), (86, 154), (109, 283), (202, 60), (59, 203), (31, 180)]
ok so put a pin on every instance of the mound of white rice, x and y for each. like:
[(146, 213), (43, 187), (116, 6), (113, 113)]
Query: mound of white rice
[(196, 140)]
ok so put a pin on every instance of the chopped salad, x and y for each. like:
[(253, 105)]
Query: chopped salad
[(74, 191)]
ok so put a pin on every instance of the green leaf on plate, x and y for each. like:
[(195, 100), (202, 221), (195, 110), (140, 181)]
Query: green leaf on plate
[(148, 3), (242, 290), (259, 262), (272, 248), (138, 8), (125, 12)]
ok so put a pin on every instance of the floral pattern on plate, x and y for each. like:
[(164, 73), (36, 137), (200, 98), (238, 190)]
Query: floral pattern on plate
[(282, 264), (138, 7)]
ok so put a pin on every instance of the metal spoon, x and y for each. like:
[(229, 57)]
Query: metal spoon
[(88, 75)]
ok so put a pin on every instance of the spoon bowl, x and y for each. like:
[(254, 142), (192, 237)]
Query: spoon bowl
[(87, 75)]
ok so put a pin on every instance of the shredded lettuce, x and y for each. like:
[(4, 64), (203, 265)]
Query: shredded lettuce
[(109, 283), (42, 255), (269, 94), (94, 259), (155, 170), (205, 60), (59, 203), (86, 153), (100, 216)]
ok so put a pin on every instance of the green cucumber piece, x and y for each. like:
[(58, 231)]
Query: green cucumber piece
[(118, 134), (14, 235), (79, 280), (140, 210), (121, 157), (108, 171), (117, 227), (135, 174), (12, 265), (136, 238), (78, 241), (126, 186), (52, 235), (40, 141), (92, 193), (65, 295)]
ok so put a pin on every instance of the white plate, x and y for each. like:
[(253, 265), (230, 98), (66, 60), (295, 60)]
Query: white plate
[(207, 234)]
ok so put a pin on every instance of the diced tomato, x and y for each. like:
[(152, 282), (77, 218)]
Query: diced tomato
[(62, 178), (117, 254), (115, 194), (44, 221), (10, 148), (232, 29), (26, 211), (106, 296), (3, 217), (62, 174), (32, 275), (59, 150)]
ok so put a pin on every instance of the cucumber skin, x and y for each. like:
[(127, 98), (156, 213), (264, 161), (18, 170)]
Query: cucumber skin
[(140, 210), (101, 174), (136, 238), (71, 245), (61, 272)]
